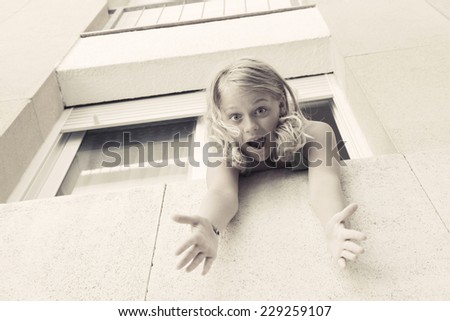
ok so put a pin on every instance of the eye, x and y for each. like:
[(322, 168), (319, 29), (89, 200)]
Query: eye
[(235, 117), (260, 111)]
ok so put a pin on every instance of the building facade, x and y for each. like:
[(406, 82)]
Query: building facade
[(79, 67)]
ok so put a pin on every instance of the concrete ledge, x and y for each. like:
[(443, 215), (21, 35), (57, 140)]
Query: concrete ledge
[(154, 62), (274, 249), (100, 246), (86, 247)]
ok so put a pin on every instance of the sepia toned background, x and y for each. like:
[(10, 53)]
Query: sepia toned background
[(72, 69)]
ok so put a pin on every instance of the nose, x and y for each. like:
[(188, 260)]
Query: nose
[(250, 126)]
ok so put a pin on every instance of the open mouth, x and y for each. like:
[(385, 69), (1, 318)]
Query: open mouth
[(258, 143)]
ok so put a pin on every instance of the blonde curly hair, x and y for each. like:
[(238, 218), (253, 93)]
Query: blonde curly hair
[(254, 75)]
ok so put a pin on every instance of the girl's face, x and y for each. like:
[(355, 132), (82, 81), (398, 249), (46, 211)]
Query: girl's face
[(255, 114)]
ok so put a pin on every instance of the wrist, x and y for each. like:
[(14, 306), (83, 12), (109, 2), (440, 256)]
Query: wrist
[(215, 229)]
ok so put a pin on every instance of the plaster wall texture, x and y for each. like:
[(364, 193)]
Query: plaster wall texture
[(10, 110), (19, 141), (374, 131), (408, 89), (84, 247), (366, 27), (274, 249), (34, 37), (104, 68), (24, 124), (395, 69), (443, 6), (118, 3), (47, 104), (431, 169), (120, 245)]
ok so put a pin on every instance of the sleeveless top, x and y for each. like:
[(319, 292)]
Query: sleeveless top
[(299, 163)]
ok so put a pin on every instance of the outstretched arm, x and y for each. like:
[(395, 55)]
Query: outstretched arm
[(326, 194), (218, 207)]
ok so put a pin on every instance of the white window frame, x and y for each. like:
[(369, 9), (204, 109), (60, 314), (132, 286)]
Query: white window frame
[(46, 173)]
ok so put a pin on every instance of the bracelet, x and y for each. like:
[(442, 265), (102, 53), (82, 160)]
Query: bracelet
[(215, 229)]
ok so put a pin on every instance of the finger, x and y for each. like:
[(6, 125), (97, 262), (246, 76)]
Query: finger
[(341, 262), (353, 235), (207, 266), (186, 219), (183, 247), (346, 212), (192, 253), (198, 259), (348, 255), (353, 247)]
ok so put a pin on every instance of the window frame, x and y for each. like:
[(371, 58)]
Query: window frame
[(50, 165)]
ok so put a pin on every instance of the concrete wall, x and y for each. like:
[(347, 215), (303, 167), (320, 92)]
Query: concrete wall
[(35, 36), (120, 245), (395, 66)]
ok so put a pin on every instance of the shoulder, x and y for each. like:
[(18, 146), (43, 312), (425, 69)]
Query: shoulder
[(316, 131), (319, 138)]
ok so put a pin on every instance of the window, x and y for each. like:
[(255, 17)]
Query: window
[(69, 160), (322, 110), (115, 158)]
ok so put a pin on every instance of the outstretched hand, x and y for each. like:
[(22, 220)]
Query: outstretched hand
[(201, 245), (341, 241)]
